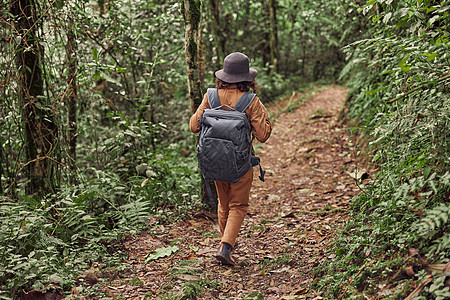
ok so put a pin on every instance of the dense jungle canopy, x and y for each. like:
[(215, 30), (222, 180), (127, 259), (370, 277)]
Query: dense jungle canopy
[(95, 98)]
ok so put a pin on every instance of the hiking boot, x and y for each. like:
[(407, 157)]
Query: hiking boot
[(224, 254)]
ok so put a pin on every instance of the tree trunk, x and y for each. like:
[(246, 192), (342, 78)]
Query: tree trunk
[(265, 41), (71, 94), (219, 39), (2, 159), (201, 57), (192, 17), (192, 11), (37, 116), (273, 36)]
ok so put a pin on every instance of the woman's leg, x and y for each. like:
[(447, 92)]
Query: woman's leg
[(238, 198), (223, 191)]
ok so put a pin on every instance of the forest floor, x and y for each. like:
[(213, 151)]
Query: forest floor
[(292, 218)]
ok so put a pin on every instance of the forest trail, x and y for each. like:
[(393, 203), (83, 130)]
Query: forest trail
[(291, 220)]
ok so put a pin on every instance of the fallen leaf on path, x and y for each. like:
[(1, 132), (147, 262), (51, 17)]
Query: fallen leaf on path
[(188, 277), (300, 181), (358, 174), (227, 272), (190, 256), (161, 252), (273, 197), (282, 270), (205, 242)]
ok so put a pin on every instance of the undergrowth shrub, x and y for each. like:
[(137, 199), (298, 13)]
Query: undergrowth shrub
[(54, 239), (399, 81)]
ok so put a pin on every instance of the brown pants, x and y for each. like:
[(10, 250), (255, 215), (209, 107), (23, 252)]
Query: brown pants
[(233, 206)]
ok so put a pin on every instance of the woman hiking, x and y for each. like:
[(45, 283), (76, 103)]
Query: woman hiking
[(235, 79)]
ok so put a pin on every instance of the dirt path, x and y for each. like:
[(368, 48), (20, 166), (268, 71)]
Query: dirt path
[(291, 219)]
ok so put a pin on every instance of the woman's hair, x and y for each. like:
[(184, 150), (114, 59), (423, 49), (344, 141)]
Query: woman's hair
[(243, 86)]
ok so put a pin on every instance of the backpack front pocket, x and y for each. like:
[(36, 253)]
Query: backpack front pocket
[(217, 160)]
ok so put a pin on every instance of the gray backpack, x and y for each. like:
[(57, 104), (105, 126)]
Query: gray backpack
[(224, 149)]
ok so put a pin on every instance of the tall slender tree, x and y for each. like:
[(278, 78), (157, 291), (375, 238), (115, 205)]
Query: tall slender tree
[(1, 167), (40, 130), (273, 36), (219, 39), (71, 93), (192, 12), (201, 57)]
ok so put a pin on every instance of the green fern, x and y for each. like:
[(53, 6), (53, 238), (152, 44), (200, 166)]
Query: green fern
[(136, 211), (435, 219)]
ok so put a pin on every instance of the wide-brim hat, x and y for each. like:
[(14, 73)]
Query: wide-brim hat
[(236, 68)]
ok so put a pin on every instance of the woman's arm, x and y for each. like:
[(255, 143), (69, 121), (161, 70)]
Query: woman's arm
[(259, 119), (194, 122)]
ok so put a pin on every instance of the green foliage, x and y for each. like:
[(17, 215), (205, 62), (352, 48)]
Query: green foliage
[(314, 31), (435, 226), (130, 89), (54, 239), (398, 79), (310, 35), (437, 289), (64, 234), (41, 243), (435, 219)]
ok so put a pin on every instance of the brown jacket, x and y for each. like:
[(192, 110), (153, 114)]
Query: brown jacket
[(256, 112)]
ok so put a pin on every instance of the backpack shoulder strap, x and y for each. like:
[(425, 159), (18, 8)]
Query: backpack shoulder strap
[(244, 102), (213, 97)]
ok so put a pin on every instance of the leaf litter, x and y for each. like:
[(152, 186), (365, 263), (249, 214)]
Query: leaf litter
[(291, 221)]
